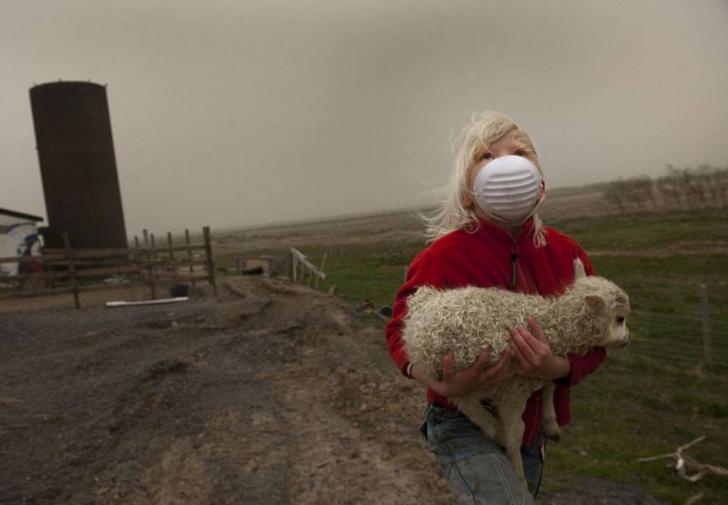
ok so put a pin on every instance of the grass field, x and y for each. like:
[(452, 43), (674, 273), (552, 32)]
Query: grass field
[(653, 397)]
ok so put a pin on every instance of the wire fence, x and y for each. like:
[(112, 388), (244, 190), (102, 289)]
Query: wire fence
[(680, 341), (677, 342)]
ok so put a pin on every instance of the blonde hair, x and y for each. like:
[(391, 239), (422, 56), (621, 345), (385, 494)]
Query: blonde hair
[(452, 213)]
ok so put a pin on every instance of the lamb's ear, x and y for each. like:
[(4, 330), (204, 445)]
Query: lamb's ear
[(579, 271), (596, 302)]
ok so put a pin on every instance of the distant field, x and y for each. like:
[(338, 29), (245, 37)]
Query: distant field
[(404, 225), (650, 399)]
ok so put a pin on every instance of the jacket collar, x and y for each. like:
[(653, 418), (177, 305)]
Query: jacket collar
[(492, 231)]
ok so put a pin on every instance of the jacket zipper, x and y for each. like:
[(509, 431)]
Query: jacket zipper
[(514, 260), (514, 266)]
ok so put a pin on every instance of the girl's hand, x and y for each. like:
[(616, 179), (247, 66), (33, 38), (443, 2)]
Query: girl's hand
[(534, 355), (478, 376)]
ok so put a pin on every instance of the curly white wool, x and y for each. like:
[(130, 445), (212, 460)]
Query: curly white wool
[(463, 321)]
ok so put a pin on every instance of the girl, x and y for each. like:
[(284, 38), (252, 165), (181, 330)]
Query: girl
[(487, 233)]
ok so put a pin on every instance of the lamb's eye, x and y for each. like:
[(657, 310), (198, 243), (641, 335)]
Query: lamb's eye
[(620, 320), (521, 152)]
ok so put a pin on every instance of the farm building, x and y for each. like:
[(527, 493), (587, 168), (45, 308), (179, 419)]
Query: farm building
[(18, 237)]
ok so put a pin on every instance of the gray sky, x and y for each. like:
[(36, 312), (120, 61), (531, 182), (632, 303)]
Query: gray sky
[(234, 113)]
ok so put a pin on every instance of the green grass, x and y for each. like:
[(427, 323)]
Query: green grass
[(628, 411), (654, 231), (372, 273), (666, 283), (647, 400)]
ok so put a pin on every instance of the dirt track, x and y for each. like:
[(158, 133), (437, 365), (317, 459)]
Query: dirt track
[(270, 398), (279, 395)]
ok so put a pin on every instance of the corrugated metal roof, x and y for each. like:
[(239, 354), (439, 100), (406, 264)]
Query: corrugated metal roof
[(15, 213)]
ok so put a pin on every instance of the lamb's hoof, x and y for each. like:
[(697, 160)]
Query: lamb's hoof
[(554, 435)]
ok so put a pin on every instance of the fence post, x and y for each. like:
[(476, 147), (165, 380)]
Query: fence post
[(189, 256), (210, 261), (321, 268), (71, 268), (150, 267), (171, 256), (707, 351), (41, 246), (134, 255), (153, 263), (153, 250)]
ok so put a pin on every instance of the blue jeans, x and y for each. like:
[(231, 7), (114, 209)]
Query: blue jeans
[(476, 468)]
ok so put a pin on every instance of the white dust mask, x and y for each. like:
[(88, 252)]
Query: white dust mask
[(508, 189)]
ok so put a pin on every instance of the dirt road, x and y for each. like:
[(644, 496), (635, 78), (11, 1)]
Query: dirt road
[(269, 398), (278, 395)]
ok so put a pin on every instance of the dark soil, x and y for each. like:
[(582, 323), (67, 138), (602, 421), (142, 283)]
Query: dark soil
[(277, 395)]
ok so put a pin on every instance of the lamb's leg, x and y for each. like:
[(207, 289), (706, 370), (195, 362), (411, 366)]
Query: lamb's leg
[(550, 426), (480, 416), (512, 435)]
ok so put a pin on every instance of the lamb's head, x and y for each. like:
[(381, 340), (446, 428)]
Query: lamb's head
[(606, 306)]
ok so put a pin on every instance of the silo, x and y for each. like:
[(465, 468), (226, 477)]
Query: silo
[(77, 164)]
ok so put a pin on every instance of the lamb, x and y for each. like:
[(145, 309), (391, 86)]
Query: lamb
[(463, 321)]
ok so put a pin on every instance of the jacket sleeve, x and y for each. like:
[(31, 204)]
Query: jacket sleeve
[(424, 270), (588, 267), (581, 366)]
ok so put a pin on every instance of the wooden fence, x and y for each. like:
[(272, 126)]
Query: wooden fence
[(68, 270)]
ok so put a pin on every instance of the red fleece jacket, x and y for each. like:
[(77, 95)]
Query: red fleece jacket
[(488, 258)]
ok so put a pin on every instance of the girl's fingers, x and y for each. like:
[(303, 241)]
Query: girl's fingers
[(536, 330), (523, 351), (447, 365), (504, 366), (529, 340), (483, 358), (496, 369)]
